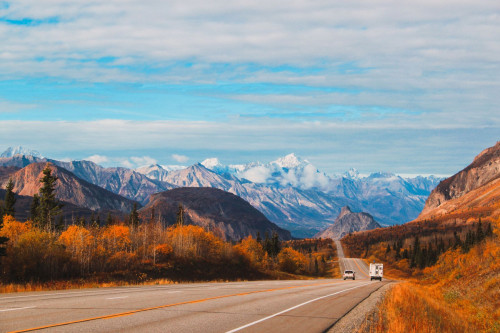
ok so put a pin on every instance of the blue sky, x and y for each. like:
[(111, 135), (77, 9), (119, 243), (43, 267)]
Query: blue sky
[(376, 85)]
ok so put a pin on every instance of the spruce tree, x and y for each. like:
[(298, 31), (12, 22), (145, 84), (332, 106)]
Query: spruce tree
[(180, 216), (10, 199), (109, 220), (134, 217), (267, 243), (479, 232), (49, 206), (275, 244), (489, 231)]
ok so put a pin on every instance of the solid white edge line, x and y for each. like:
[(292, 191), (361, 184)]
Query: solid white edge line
[(13, 309), (292, 308)]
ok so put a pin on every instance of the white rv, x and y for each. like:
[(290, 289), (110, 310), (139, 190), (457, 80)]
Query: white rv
[(376, 271)]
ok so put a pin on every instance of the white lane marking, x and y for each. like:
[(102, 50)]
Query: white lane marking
[(117, 297), (13, 309), (73, 293), (171, 292), (292, 308)]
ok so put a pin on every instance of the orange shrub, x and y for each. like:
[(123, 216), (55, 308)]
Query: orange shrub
[(291, 261), (252, 251), (13, 229), (194, 242)]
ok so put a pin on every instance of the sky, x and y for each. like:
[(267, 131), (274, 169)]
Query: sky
[(406, 87)]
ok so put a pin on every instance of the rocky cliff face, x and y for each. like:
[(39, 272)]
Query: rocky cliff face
[(484, 169), (69, 188), (348, 222), (221, 212)]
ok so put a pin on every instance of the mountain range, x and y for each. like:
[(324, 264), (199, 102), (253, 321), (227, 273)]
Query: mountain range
[(289, 191)]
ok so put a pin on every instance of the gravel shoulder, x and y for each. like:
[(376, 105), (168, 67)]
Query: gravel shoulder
[(353, 320)]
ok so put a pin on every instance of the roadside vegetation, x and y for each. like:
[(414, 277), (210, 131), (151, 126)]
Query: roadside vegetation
[(451, 279), (37, 258)]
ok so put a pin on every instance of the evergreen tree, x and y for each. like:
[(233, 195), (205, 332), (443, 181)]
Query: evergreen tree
[(109, 220), (275, 244), (10, 199), (98, 220), (267, 244), (180, 216), (388, 249), (259, 239), (479, 232), (134, 216), (49, 206), (416, 254), (489, 231)]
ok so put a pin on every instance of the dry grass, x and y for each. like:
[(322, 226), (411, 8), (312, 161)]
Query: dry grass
[(80, 284), (461, 293)]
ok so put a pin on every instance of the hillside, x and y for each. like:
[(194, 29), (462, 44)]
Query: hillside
[(450, 253), (214, 209), (69, 188), (69, 211), (484, 169), (348, 222)]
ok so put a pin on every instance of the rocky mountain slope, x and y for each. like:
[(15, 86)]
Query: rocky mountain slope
[(69, 211), (484, 169), (214, 209), (290, 191), (348, 222), (122, 181), (69, 188)]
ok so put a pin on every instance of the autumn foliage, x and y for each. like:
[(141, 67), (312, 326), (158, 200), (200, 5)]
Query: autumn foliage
[(144, 252), (457, 291)]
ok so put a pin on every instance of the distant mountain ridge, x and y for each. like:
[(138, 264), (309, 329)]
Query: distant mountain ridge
[(348, 222), (69, 188), (290, 191)]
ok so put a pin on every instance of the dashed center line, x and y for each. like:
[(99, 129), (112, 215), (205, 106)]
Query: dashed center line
[(117, 297), (14, 309)]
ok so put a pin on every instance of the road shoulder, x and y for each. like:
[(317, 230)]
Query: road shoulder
[(353, 320)]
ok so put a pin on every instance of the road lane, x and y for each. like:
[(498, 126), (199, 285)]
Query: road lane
[(231, 305)]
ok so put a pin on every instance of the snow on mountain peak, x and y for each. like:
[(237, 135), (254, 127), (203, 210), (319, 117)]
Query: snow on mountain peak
[(352, 173), (290, 161), (211, 163), (19, 150)]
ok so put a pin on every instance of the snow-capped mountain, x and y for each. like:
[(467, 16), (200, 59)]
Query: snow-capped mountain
[(290, 191), (19, 150)]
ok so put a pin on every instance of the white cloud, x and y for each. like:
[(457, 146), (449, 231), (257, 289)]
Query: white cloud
[(180, 158), (127, 164), (258, 174), (97, 159), (144, 160)]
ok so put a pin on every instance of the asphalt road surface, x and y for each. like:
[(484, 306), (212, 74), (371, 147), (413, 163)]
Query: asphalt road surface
[(357, 265), (258, 306)]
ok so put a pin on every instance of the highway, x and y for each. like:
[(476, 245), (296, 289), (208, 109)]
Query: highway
[(257, 306), (354, 264)]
